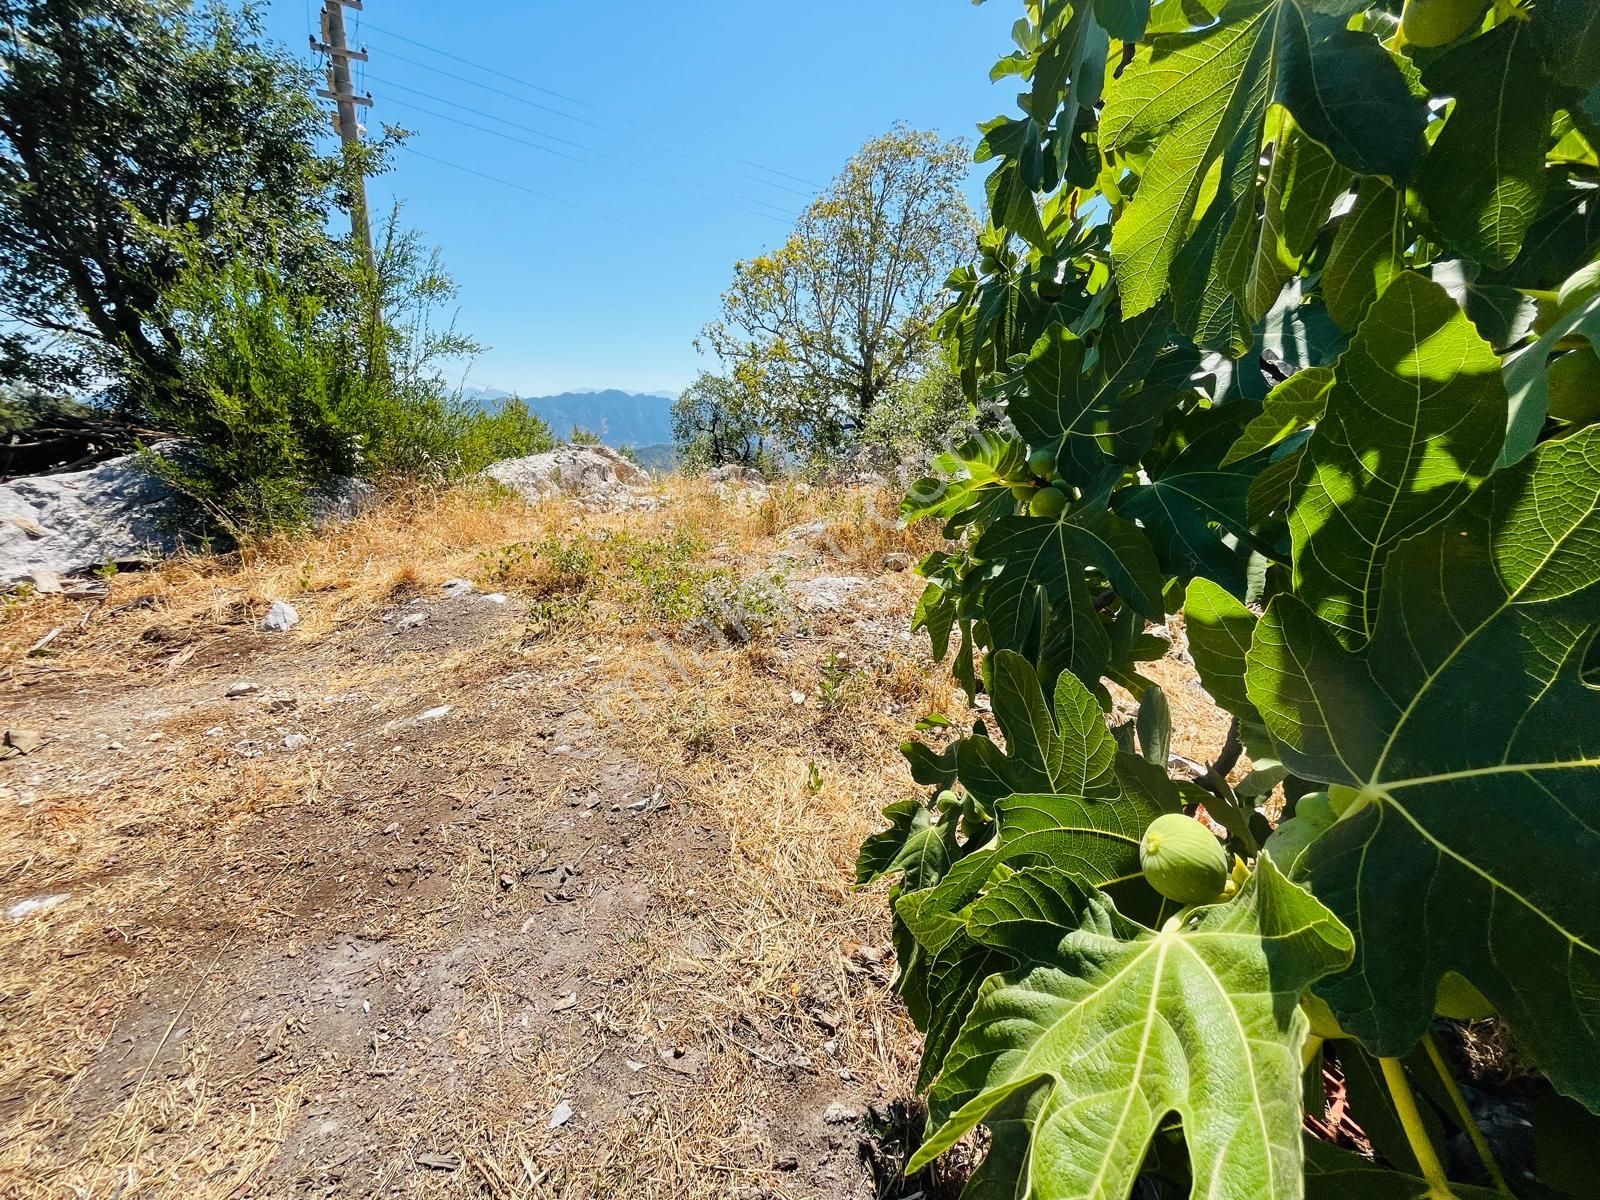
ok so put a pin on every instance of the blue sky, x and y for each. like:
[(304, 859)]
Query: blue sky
[(676, 139)]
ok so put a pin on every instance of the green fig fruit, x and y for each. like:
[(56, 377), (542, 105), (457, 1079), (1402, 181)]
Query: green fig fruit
[(1429, 23), (1048, 503), (1042, 463), (1574, 385), (1460, 1001), (1579, 288), (1313, 816), (1183, 860)]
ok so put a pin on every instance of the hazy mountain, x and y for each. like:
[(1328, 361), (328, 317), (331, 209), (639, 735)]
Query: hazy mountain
[(620, 418)]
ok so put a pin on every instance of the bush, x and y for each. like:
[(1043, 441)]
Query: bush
[(918, 419), (511, 431), (286, 390)]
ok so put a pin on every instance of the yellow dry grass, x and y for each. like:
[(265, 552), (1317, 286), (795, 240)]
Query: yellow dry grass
[(791, 787), (782, 748)]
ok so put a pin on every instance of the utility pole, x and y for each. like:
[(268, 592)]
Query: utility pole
[(342, 92)]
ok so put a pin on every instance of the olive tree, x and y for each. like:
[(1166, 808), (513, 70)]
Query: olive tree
[(716, 421), (842, 313)]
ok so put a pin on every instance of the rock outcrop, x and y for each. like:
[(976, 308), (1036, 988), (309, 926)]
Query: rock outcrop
[(67, 524), (597, 474)]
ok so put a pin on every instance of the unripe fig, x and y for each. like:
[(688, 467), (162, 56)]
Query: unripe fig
[(1183, 860), (1313, 816), (1042, 462), (1048, 503), (1323, 1023), (1460, 1001), (1579, 288), (1428, 23), (1061, 485), (1022, 491), (1574, 386), (947, 800)]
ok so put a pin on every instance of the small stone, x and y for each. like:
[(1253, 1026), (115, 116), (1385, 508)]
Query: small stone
[(296, 741), (433, 714), (439, 1162), (34, 905), (24, 741), (281, 617), (455, 588), (497, 598), (561, 1115), (410, 621), (827, 1020), (242, 689), (155, 737)]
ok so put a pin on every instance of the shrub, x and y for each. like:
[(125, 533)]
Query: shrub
[(918, 419), (288, 389)]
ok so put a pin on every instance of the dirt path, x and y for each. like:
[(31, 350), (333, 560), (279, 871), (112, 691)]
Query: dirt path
[(404, 919), (541, 898)]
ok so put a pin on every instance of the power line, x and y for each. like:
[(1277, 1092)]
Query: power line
[(777, 212), (812, 184), (583, 208), (511, 137), (606, 129)]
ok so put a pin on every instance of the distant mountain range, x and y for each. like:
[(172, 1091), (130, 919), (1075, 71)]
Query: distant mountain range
[(631, 419)]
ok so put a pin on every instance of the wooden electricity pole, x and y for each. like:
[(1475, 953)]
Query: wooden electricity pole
[(342, 92)]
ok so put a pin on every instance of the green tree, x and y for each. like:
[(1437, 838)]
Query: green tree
[(841, 314), (716, 421), (921, 415), (1292, 310), (132, 131), (285, 392)]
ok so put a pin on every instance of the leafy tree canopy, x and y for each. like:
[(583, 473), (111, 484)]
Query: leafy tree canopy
[(1291, 307), (839, 316), (130, 132), (716, 421)]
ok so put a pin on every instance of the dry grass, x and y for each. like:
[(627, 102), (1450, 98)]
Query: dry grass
[(770, 967), (781, 750)]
